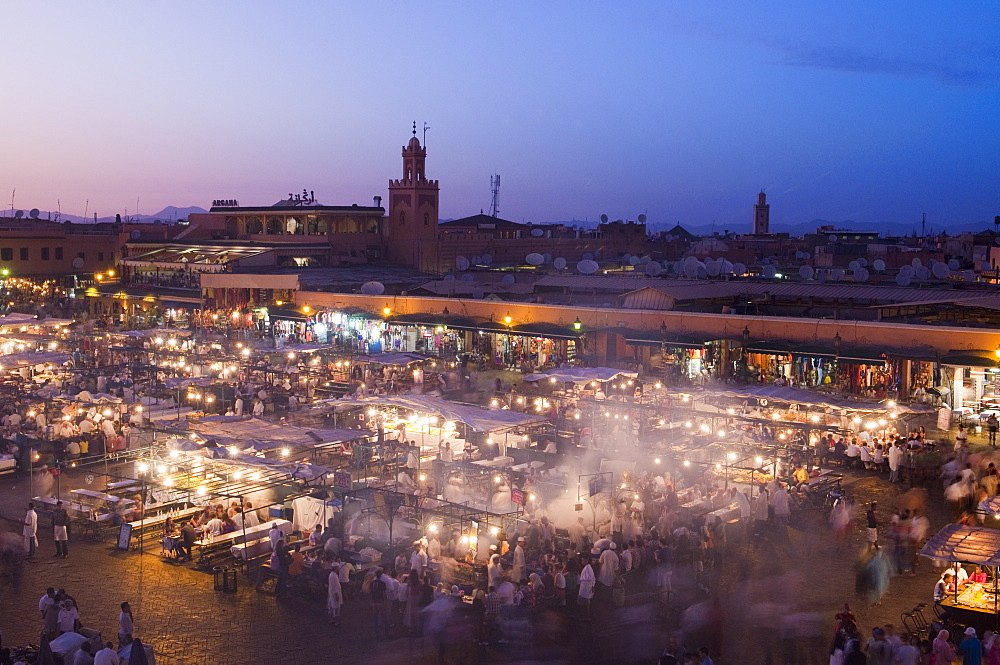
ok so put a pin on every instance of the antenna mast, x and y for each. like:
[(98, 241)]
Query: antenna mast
[(495, 189), (923, 225)]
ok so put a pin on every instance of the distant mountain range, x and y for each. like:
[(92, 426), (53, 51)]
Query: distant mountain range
[(168, 214)]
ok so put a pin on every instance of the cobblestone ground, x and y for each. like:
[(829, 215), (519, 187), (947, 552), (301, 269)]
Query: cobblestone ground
[(188, 622)]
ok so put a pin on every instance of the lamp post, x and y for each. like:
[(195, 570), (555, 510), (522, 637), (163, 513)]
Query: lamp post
[(510, 350)]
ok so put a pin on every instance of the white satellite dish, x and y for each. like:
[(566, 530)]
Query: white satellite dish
[(373, 288), (727, 267), (468, 277), (653, 269), (902, 279), (769, 271), (805, 255), (833, 238), (806, 272), (634, 261), (487, 259), (908, 271), (587, 256), (508, 279), (953, 264), (712, 268), (878, 264), (627, 258), (587, 267), (916, 263), (691, 269), (863, 262), (77, 263), (477, 260), (559, 263), (853, 265), (923, 274), (678, 268), (538, 233), (702, 271), (644, 260), (478, 293), (861, 275), (940, 270), (461, 263), (739, 269), (534, 259), (547, 257), (449, 278)]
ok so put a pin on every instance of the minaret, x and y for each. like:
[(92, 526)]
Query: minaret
[(413, 211), (761, 215)]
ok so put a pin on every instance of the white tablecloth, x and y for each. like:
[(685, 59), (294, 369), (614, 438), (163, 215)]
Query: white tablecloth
[(307, 512)]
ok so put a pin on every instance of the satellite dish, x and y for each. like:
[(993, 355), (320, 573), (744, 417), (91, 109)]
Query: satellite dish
[(902, 279), (712, 269), (806, 272), (587, 267), (634, 260), (739, 269), (508, 279), (19, 214), (478, 293), (702, 271), (821, 277), (916, 263), (468, 277), (923, 274), (604, 219), (538, 233), (653, 269), (853, 265), (679, 268), (559, 263), (477, 260), (691, 269), (644, 260), (547, 257), (805, 255), (487, 259), (908, 271), (837, 274), (78, 263), (940, 270), (587, 256), (134, 235), (770, 271), (727, 268), (931, 262), (461, 263), (878, 264), (642, 218), (861, 275), (833, 238), (534, 259), (449, 278), (863, 262), (953, 264), (33, 213), (373, 288)]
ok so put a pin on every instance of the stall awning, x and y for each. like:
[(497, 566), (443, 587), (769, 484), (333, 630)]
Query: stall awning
[(965, 544), (542, 329), (970, 358), (398, 359), (773, 347), (581, 374), (476, 417), (255, 281), (862, 356), (33, 358)]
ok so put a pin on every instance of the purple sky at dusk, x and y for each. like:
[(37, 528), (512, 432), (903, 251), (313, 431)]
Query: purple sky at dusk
[(874, 112)]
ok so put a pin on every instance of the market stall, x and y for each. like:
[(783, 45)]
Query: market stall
[(974, 603)]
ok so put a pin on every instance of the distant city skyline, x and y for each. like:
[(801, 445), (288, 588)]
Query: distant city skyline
[(680, 111)]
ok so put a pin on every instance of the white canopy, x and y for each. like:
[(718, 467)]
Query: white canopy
[(155, 332), (404, 359), (581, 374), (29, 359), (809, 398), (965, 544), (476, 417)]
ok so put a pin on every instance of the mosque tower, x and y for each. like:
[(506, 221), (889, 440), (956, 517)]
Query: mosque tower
[(761, 215), (413, 211)]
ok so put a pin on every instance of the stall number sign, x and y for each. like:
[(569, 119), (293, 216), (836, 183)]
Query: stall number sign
[(517, 496), (342, 480), (124, 536)]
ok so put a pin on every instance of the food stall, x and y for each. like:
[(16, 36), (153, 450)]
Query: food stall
[(973, 603)]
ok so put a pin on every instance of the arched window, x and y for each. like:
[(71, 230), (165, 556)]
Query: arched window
[(254, 226), (274, 226)]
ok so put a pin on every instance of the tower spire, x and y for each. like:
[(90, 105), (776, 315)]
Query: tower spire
[(414, 127)]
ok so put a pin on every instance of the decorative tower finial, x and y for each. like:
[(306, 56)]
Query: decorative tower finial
[(414, 127)]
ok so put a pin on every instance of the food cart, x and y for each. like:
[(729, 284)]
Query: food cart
[(975, 604)]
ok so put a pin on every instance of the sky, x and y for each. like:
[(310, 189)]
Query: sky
[(682, 111)]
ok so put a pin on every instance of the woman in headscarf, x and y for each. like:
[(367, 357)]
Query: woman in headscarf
[(334, 595), (942, 652), (991, 648)]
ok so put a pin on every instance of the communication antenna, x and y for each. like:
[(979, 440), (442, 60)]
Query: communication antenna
[(923, 225), (426, 127), (495, 190)]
